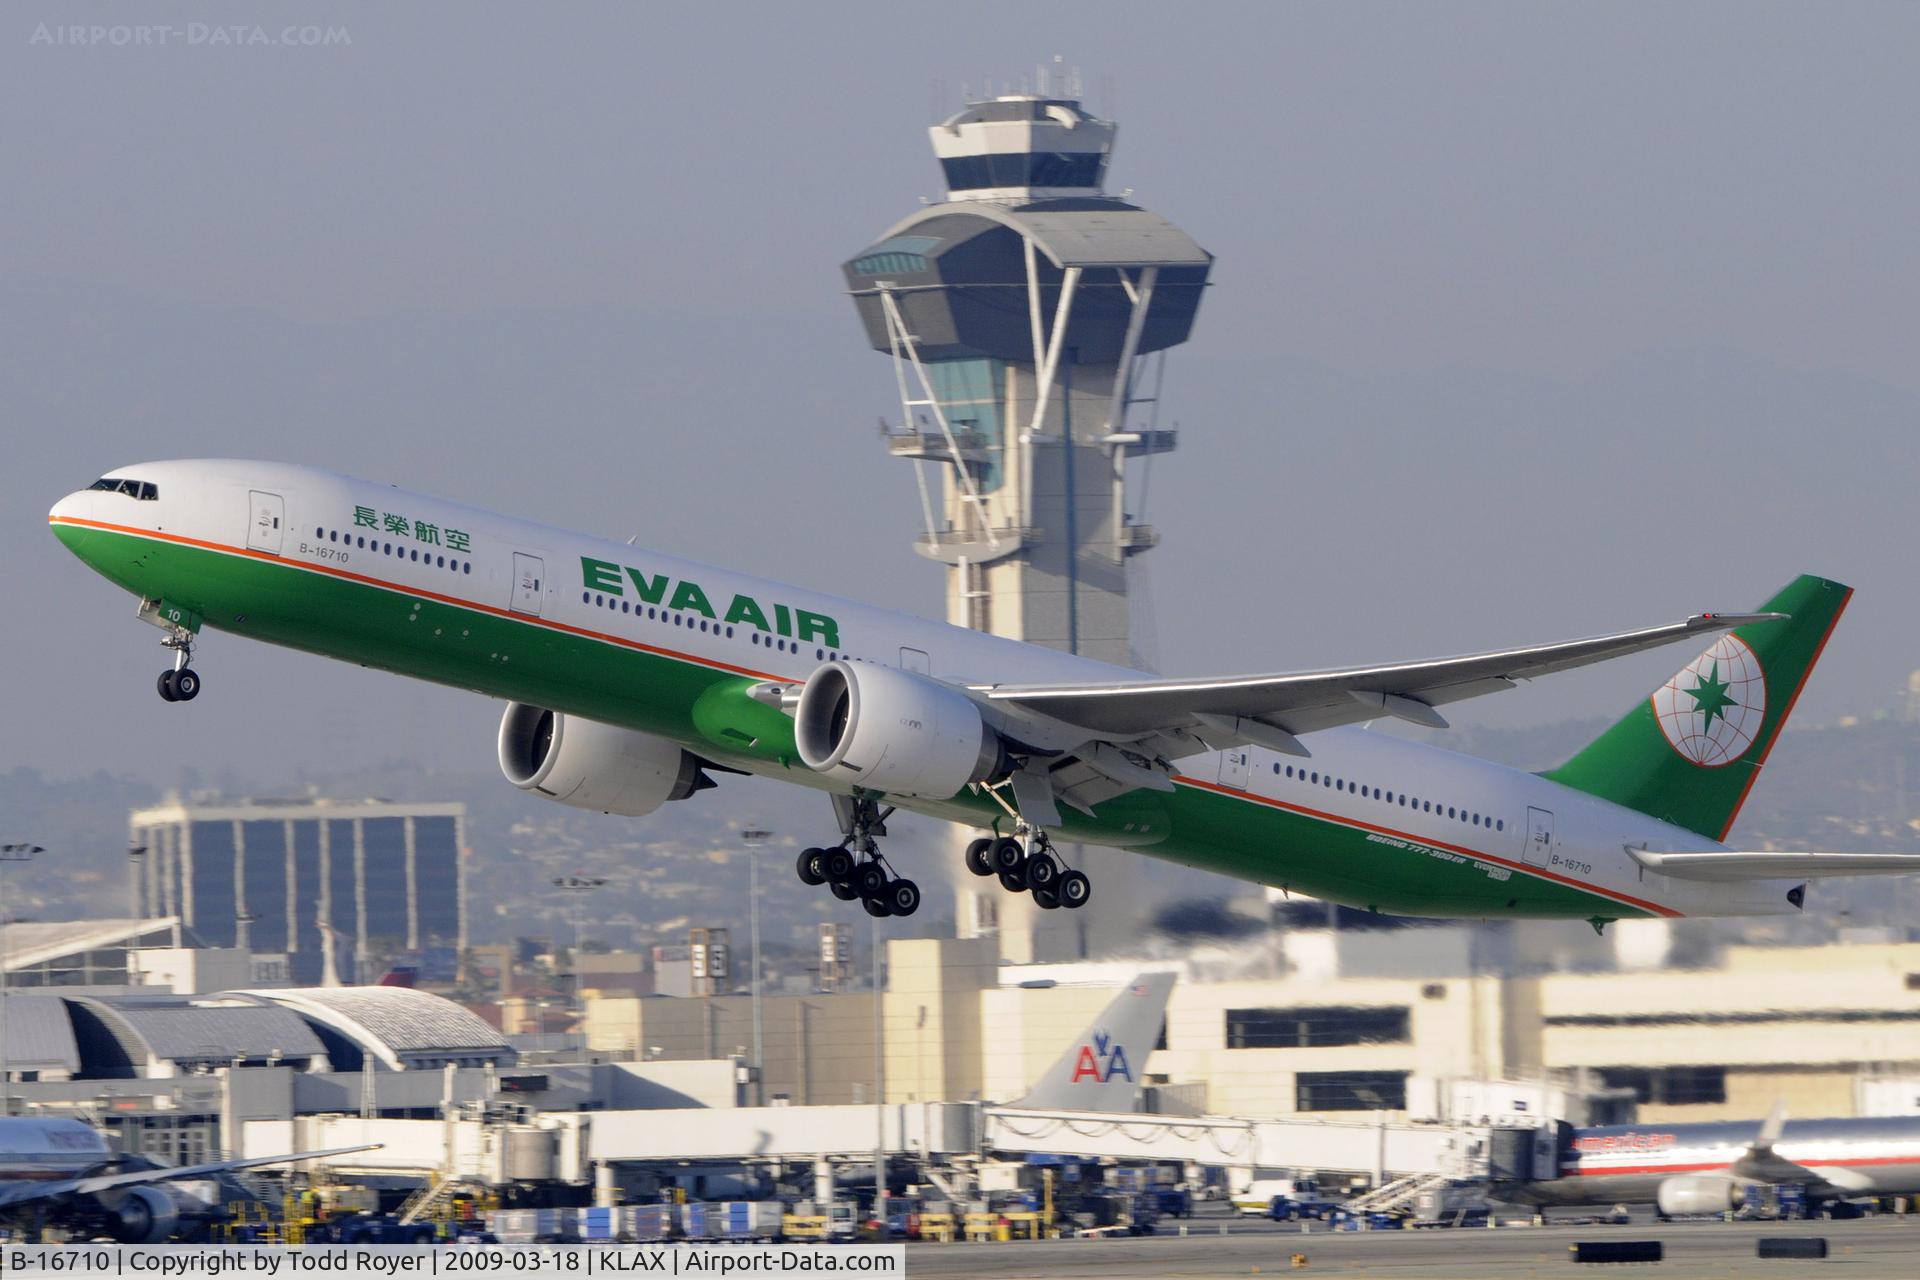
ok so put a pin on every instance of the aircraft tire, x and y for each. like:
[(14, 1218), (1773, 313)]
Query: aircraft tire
[(809, 867), (1008, 855), (1075, 890), (1014, 881), (837, 863), (1047, 898), (842, 890), (165, 685), (980, 857), (903, 897), (876, 907), (1042, 870), (186, 684), (870, 878)]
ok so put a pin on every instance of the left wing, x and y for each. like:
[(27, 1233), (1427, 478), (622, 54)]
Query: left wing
[(1269, 710), (17, 1193), (1726, 865)]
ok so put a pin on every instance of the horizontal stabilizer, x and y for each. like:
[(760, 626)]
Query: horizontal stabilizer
[(1731, 864)]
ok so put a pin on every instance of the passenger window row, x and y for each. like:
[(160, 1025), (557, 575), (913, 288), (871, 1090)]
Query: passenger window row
[(678, 618), (452, 564), (1317, 779)]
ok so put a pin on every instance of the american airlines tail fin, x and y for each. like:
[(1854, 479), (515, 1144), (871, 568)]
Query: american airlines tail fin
[(1102, 1067)]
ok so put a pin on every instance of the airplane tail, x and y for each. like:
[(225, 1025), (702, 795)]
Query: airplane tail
[(1689, 754), (1102, 1067)]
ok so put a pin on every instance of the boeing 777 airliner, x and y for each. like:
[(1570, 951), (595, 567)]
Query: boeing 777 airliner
[(59, 1171), (631, 676)]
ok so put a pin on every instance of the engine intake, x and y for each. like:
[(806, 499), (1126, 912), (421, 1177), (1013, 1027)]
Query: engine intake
[(590, 765), (142, 1215), (893, 731), (1697, 1193)]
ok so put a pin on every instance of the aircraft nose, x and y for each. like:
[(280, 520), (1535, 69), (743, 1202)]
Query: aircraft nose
[(75, 506), (67, 507)]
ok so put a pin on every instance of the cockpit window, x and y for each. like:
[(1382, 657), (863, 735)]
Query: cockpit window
[(144, 490)]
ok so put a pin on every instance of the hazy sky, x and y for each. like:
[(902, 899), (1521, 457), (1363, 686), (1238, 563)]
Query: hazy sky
[(1529, 321)]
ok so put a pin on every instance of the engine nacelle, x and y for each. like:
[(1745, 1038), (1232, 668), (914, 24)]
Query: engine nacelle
[(590, 765), (892, 731), (142, 1215), (1685, 1194)]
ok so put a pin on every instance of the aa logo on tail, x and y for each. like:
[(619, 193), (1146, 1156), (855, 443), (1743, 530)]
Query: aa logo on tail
[(1101, 1060), (1712, 710)]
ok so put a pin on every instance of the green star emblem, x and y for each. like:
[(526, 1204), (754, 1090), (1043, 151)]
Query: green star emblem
[(1710, 698)]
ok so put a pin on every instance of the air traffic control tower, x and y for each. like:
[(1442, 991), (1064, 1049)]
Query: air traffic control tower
[(1027, 317)]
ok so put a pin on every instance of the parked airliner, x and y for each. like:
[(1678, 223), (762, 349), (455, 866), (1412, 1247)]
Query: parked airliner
[(1707, 1168), (632, 676), (55, 1170)]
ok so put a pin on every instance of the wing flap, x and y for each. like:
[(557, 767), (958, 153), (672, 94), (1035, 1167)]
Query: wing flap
[(1732, 865)]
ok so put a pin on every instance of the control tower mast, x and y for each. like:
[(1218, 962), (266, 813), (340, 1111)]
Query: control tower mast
[(1020, 314)]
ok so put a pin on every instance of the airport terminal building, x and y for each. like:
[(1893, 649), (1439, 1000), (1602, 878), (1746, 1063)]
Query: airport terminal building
[(307, 878)]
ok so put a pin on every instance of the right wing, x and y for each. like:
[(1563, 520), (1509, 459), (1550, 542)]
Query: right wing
[(16, 1193), (1269, 709)]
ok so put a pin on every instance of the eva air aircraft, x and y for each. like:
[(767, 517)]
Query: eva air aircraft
[(631, 676)]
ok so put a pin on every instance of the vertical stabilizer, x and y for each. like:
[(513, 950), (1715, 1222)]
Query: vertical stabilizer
[(1689, 754), (1103, 1066)]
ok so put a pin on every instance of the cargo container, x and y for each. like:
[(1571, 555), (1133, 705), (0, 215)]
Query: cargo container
[(525, 1226), (648, 1222), (731, 1220)]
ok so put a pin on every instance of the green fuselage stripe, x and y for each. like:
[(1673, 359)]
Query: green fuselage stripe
[(617, 680)]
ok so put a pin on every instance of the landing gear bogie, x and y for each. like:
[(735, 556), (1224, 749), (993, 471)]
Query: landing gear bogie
[(1028, 863), (854, 869)]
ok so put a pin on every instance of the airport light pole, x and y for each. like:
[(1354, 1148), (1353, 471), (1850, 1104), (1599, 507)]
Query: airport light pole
[(579, 886), (136, 897), (8, 853), (753, 840), (879, 1094)]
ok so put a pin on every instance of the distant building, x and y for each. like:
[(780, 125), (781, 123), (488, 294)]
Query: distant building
[(280, 876)]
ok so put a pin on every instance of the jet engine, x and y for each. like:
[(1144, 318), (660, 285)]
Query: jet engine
[(1697, 1193), (590, 765), (141, 1215), (893, 731)]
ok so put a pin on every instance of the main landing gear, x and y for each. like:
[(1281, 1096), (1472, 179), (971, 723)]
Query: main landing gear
[(864, 875), (1029, 863), (182, 683)]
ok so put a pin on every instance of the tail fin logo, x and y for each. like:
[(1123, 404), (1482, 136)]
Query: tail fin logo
[(1712, 710), (1102, 1060)]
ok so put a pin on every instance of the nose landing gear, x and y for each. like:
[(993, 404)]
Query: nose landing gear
[(182, 683), (867, 877)]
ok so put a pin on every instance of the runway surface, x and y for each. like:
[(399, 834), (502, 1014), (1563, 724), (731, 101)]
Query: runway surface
[(1876, 1247)]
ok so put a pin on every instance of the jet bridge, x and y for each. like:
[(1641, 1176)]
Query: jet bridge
[(571, 1143)]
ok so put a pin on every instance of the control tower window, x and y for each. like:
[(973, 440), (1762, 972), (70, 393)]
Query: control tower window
[(1024, 169), (143, 490)]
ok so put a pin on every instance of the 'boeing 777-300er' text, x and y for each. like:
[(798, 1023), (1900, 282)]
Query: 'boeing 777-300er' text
[(631, 676)]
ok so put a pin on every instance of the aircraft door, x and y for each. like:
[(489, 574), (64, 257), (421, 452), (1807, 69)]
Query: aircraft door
[(529, 573), (1539, 837), (266, 513), (1236, 765), (915, 660)]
